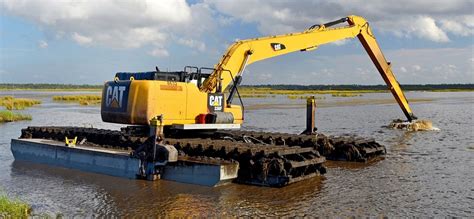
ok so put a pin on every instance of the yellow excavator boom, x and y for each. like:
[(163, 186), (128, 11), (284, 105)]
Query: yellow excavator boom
[(183, 97), (245, 52)]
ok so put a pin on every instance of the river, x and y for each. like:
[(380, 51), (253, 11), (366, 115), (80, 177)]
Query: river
[(423, 174)]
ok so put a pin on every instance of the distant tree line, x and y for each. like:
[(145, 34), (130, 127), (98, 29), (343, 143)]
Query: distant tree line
[(50, 86), (412, 87)]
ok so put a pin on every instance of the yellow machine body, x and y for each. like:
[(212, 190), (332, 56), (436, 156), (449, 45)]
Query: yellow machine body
[(183, 102), (178, 102)]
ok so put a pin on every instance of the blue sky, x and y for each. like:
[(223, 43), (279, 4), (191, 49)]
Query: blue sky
[(86, 42)]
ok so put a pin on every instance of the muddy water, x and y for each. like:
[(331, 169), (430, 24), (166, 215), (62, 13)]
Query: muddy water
[(424, 173)]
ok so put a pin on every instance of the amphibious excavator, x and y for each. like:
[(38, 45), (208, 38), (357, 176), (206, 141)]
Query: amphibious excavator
[(202, 98), (186, 105)]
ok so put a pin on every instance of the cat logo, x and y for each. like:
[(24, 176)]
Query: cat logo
[(277, 46), (215, 102), (114, 96)]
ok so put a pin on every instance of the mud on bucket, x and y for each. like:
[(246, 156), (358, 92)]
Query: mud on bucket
[(415, 125)]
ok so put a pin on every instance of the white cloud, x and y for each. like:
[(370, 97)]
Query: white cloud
[(325, 72), (436, 65), (126, 24), (82, 40), (453, 26), (425, 27), (446, 70), (416, 67), (193, 44), (159, 52), (410, 66), (425, 19), (341, 42), (225, 20), (115, 23), (140, 36), (42, 44), (264, 76), (155, 25)]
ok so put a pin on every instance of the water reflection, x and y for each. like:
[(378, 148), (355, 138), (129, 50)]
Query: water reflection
[(424, 173), (353, 165), (80, 193), (402, 141)]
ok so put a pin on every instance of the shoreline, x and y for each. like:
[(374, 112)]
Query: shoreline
[(259, 90)]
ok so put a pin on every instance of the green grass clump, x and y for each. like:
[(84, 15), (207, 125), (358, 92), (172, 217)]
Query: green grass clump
[(247, 95), (346, 95), (89, 102), (81, 99), (11, 103), (301, 94), (9, 116), (268, 91), (13, 208), (76, 98), (304, 97)]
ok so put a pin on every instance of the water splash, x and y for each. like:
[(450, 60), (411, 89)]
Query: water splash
[(415, 125)]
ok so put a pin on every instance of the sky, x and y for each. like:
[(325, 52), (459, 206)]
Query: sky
[(87, 42)]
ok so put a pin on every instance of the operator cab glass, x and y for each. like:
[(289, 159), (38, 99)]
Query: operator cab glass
[(191, 75)]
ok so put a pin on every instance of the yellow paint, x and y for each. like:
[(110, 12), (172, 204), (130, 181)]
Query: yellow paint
[(182, 102), (171, 87), (70, 142), (179, 105), (147, 100), (235, 57)]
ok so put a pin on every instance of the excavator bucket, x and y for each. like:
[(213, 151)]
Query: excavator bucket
[(415, 125)]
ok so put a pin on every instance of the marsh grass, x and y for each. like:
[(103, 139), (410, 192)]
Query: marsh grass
[(13, 208), (346, 95), (12, 103), (305, 97), (269, 91), (301, 94), (348, 102), (450, 90), (89, 102), (256, 95), (76, 98), (9, 116), (81, 99)]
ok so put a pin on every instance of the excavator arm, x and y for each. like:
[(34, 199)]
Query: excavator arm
[(375, 53), (242, 53)]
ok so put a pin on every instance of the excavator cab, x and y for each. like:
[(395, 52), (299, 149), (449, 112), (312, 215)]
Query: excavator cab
[(152, 75), (196, 75), (190, 74)]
